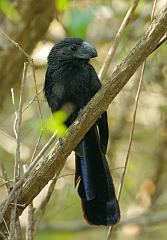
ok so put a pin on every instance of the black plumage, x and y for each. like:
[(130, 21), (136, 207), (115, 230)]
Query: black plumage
[(71, 80)]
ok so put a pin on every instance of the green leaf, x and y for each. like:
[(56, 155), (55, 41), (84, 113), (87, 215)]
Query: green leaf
[(61, 5), (9, 11), (78, 22), (55, 123)]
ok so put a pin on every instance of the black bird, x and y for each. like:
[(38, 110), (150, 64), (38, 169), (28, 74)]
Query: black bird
[(72, 81)]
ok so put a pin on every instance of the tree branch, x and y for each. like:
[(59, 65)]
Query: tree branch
[(35, 17), (53, 163), (114, 46)]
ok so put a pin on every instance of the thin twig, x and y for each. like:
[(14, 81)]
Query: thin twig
[(31, 62), (114, 46), (163, 39), (15, 111), (132, 129), (133, 125), (5, 178), (16, 45), (30, 228), (30, 218), (41, 209), (25, 175), (13, 220), (18, 230), (32, 100), (6, 226), (153, 10), (30, 222), (17, 204), (6, 183), (17, 131), (17, 127), (2, 236), (36, 90), (36, 147), (134, 114), (64, 175), (130, 143)]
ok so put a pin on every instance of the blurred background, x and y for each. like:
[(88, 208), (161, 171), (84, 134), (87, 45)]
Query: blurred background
[(36, 26)]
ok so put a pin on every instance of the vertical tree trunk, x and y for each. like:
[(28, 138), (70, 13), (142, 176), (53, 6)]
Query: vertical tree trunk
[(35, 17)]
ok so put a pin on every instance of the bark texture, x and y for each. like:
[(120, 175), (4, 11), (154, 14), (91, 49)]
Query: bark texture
[(35, 17)]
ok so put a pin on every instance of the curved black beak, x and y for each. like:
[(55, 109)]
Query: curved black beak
[(86, 51), (89, 49)]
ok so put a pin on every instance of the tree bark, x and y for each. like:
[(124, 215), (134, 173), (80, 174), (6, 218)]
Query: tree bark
[(53, 163), (35, 17)]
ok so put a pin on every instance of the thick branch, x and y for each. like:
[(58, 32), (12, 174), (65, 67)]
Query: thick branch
[(53, 163)]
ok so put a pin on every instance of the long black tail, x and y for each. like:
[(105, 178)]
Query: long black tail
[(95, 184)]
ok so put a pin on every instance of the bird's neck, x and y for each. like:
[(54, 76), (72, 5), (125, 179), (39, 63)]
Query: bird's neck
[(73, 61)]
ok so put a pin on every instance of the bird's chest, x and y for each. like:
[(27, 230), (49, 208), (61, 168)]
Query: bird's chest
[(77, 85)]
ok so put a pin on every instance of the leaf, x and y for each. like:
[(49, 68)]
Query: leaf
[(56, 123), (9, 11), (61, 5), (78, 22)]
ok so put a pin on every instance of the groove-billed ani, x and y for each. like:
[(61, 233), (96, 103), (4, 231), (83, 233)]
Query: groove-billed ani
[(70, 79)]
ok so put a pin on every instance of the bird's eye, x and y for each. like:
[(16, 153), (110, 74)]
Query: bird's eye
[(73, 47)]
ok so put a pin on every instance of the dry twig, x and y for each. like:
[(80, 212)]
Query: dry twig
[(5, 178), (30, 219), (41, 209), (25, 175), (133, 126), (31, 62), (30, 222), (17, 130), (114, 46), (33, 99)]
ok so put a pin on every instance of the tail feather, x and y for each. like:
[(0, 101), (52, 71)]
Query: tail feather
[(103, 131), (96, 188), (98, 212)]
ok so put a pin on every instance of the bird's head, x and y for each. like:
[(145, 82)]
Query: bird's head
[(72, 48)]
